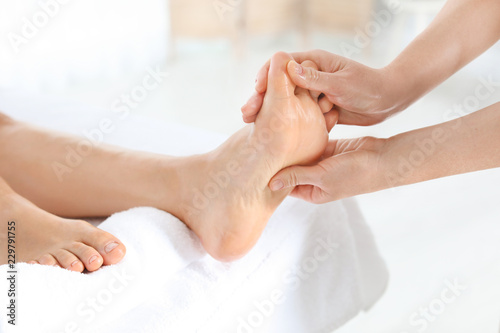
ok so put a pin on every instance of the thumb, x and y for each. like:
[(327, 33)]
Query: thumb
[(295, 175), (310, 78)]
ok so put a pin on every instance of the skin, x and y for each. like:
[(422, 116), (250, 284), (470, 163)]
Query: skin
[(364, 165), (41, 237), (365, 96), (221, 195)]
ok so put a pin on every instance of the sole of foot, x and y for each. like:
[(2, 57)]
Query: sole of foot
[(227, 202)]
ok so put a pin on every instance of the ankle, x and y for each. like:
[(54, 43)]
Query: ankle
[(178, 182)]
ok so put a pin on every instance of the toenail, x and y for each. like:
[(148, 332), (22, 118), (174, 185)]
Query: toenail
[(277, 185), (92, 259), (110, 247), (74, 263)]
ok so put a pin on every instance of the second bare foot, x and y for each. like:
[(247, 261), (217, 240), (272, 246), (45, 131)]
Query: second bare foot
[(46, 239)]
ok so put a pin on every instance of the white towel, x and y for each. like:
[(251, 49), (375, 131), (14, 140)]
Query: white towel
[(314, 268), (306, 274)]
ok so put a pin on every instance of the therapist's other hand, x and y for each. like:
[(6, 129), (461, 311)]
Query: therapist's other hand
[(348, 167), (361, 94)]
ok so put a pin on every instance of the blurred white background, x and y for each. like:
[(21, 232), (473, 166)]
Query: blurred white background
[(93, 52)]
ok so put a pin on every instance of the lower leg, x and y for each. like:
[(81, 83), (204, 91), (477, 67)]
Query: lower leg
[(66, 176)]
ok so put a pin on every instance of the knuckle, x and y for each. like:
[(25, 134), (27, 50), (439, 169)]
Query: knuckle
[(322, 176), (312, 75), (293, 179)]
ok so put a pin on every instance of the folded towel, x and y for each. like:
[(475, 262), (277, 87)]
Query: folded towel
[(308, 273), (314, 268)]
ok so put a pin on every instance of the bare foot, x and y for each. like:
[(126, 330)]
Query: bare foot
[(43, 238), (227, 202)]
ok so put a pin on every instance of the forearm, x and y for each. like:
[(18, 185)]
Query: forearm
[(466, 144), (460, 32), (60, 174)]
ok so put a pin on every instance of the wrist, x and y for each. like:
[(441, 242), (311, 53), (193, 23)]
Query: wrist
[(400, 92), (421, 155), (394, 161)]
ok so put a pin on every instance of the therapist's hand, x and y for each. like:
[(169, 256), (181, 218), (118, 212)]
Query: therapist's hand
[(362, 95), (356, 166), (349, 167)]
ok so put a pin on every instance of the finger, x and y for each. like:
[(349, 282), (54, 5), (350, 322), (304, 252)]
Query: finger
[(331, 119), (301, 92), (311, 79), (310, 64), (304, 192), (252, 107), (325, 104), (323, 60), (326, 61), (279, 84), (295, 175), (261, 80), (304, 92), (313, 94)]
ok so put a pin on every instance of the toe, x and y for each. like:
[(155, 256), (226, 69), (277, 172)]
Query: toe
[(89, 256), (48, 260), (252, 107), (325, 105), (261, 79), (110, 248), (279, 83), (331, 119), (68, 260), (301, 92)]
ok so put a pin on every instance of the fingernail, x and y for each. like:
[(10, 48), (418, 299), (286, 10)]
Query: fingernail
[(92, 259), (110, 247), (277, 185)]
